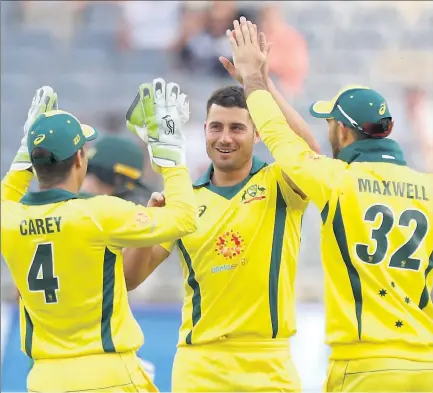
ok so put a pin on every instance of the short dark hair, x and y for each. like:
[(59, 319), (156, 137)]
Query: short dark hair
[(229, 97), (50, 172)]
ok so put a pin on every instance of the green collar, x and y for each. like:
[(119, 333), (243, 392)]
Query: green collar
[(47, 196), (85, 195), (373, 150), (204, 180), (230, 191)]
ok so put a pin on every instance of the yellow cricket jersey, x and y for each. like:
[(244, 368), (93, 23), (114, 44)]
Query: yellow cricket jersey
[(65, 256), (377, 239), (239, 266)]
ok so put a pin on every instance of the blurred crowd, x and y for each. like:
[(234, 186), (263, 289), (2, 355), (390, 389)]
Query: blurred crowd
[(95, 53), (193, 31)]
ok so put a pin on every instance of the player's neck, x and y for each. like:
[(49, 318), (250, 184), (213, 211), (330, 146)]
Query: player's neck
[(66, 186), (231, 178)]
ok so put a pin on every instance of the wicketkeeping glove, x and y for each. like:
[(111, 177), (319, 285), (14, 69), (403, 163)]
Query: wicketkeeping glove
[(45, 100), (157, 116)]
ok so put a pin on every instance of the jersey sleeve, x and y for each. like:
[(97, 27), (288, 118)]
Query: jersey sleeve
[(292, 198), (126, 224), (15, 184), (314, 174)]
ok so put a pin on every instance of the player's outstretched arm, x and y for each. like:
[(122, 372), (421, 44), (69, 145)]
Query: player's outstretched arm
[(17, 180), (315, 175)]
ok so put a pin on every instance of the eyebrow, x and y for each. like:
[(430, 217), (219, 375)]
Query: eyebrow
[(236, 124)]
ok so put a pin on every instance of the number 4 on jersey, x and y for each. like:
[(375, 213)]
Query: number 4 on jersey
[(41, 273)]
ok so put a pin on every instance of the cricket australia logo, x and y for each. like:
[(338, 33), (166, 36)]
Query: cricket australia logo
[(230, 244), (169, 125), (253, 193)]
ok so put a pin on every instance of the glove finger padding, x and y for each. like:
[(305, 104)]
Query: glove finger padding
[(44, 100), (150, 113), (136, 114), (183, 108), (159, 90), (159, 111), (172, 94)]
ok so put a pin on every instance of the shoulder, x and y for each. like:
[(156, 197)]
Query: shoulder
[(104, 203), (10, 209)]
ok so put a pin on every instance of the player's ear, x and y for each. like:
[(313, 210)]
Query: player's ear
[(256, 136), (204, 127), (80, 157), (343, 132)]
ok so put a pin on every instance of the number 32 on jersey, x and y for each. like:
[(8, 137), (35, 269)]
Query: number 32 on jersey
[(402, 256)]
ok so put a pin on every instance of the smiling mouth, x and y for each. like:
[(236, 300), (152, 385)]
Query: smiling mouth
[(224, 151)]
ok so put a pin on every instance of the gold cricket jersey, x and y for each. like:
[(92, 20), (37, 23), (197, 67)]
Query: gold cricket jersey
[(65, 256), (377, 239), (239, 266)]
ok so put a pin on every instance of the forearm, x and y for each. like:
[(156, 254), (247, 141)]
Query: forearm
[(275, 131), (15, 185), (138, 265), (310, 172), (293, 118), (252, 82), (180, 201), (135, 226)]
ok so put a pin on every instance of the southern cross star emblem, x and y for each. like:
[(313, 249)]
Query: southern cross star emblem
[(399, 324), (382, 292)]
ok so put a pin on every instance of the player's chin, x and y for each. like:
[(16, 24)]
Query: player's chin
[(224, 162)]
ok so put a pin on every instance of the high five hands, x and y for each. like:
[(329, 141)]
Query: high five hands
[(250, 51)]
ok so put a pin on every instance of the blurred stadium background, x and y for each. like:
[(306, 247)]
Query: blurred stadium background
[(96, 53)]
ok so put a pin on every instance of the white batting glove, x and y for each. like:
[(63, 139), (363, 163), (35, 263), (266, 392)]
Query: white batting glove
[(44, 100), (157, 116)]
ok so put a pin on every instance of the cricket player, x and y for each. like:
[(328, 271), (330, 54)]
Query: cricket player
[(377, 242), (115, 168), (65, 253), (239, 266)]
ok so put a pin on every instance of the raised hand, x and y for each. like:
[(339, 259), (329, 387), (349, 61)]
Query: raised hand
[(248, 58), (44, 100), (157, 115), (265, 47)]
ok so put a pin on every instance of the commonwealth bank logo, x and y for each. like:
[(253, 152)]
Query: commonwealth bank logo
[(253, 193)]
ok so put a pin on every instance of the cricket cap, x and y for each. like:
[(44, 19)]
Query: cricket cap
[(60, 133), (116, 155), (357, 107)]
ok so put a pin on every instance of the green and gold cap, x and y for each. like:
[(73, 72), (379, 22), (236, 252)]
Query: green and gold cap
[(116, 154), (60, 133), (358, 107)]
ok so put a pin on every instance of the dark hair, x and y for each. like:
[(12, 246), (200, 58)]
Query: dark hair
[(228, 97), (49, 171)]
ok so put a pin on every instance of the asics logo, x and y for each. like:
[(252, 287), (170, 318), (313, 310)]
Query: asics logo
[(39, 139), (201, 210), (169, 124)]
